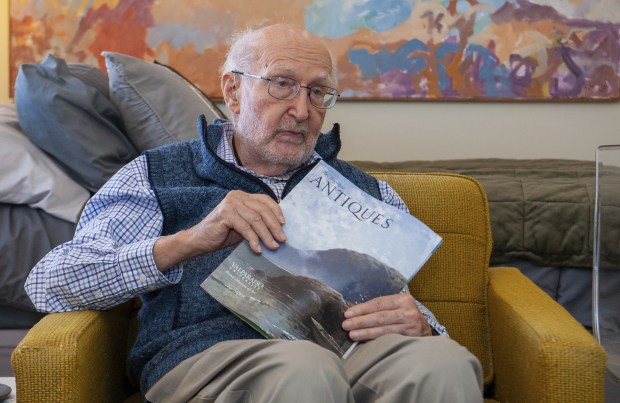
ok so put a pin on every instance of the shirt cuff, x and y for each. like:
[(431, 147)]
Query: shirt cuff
[(139, 271)]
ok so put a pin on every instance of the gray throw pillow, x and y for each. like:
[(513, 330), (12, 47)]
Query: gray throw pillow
[(64, 110), (158, 105)]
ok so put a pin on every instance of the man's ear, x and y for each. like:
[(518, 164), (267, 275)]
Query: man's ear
[(230, 91)]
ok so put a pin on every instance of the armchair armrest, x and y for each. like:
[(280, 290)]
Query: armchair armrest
[(74, 357), (540, 352)]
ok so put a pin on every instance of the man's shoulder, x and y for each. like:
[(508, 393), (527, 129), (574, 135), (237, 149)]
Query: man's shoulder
[(347, 166), (181, 146)]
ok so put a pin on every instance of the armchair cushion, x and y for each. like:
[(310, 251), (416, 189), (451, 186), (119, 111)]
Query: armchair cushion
[(453, 283)]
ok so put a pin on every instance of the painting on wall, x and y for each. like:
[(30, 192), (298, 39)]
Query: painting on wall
[(541, 50)]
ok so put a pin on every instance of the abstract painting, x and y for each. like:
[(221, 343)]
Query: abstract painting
[(541, 50)]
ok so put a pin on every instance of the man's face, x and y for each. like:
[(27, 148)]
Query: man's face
[(272, 135)]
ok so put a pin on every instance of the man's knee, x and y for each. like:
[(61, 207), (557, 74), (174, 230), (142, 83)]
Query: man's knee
[(452, 358), (302, 368), (452, 369), (429, 369)]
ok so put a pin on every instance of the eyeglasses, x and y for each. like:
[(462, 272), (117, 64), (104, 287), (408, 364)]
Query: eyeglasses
[(286, 89)]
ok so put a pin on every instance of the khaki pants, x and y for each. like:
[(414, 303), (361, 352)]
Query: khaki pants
[(392, 368)]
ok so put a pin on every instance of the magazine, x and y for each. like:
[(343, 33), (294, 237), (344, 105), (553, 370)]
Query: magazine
[(343, 247)]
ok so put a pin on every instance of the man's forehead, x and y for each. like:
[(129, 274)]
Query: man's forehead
[(308, 64), (288, 70), (290, 52)]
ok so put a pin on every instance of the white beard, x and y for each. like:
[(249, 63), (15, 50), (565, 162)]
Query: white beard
[(253, 133)]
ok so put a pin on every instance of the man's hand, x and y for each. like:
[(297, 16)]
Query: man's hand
[(239, 216), (389, 314)]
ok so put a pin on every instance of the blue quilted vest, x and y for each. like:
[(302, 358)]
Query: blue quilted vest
[(189, 180)]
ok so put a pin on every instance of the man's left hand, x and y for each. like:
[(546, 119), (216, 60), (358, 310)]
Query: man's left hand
[(389, 314)]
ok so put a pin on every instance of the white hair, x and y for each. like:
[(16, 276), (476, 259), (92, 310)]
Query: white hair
[(241, 53)]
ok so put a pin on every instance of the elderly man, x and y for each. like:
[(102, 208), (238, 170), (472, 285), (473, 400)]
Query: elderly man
[(165, 221)]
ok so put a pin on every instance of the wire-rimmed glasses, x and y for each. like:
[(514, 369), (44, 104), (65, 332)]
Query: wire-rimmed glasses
[(286, 89)]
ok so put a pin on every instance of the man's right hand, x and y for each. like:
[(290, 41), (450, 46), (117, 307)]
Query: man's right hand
[(239, 216)]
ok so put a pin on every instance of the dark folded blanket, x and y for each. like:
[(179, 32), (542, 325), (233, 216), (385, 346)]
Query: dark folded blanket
[(542, 210)]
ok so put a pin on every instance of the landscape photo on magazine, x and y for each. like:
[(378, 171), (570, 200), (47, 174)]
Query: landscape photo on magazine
[(343, 247)]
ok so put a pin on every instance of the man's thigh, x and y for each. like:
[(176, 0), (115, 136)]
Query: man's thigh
[(256, 371), (392, 368), (395, 368)]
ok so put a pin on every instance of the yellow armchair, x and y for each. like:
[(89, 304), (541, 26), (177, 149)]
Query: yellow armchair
[(531, 349)]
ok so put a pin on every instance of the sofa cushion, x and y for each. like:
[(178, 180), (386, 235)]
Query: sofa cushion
[(34, 179), (158, 105), (26, 235), (541, 209)]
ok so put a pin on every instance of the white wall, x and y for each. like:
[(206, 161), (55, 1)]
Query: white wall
[(396, 131)]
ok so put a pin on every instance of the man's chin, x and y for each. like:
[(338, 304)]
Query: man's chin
[(291, 161)]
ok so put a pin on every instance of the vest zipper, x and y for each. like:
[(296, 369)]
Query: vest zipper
[(262, 184), (304, 170)]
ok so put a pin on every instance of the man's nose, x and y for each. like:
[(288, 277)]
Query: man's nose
[(300, 107)]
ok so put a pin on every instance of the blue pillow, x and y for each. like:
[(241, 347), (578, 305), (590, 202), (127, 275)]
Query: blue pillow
[(64, 109)]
